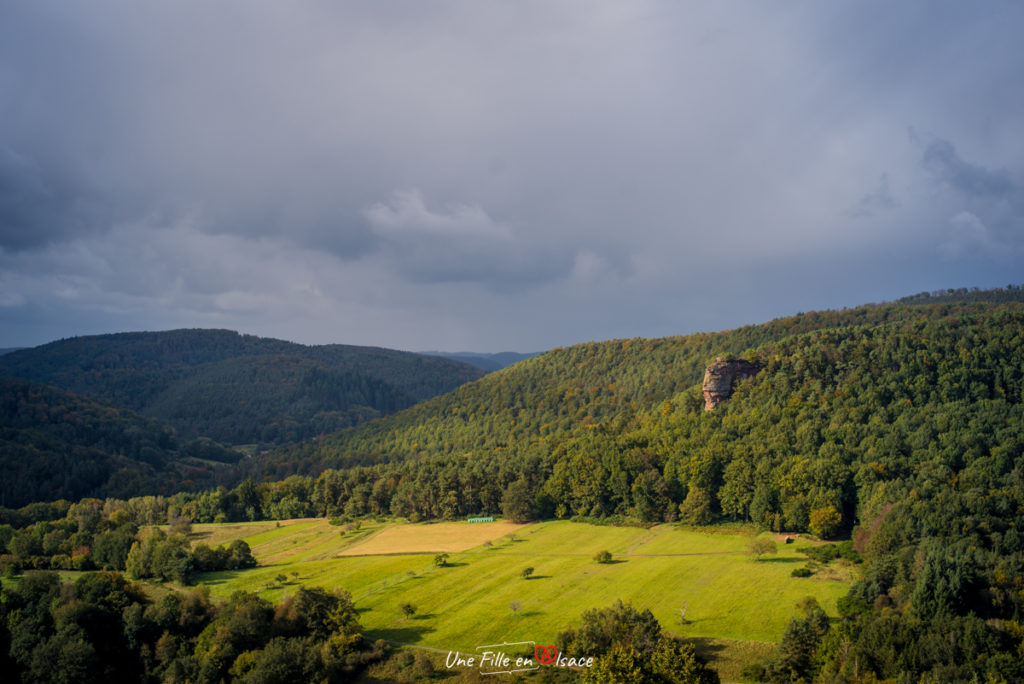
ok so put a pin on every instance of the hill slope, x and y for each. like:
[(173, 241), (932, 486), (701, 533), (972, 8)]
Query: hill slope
[(238, 388), (581, 386), (57, 445)]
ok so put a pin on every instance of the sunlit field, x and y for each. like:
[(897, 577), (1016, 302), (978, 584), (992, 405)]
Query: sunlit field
[(735, 605)]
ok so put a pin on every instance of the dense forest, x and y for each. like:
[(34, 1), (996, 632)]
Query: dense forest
[(57, 445), (101, 628), (899, 427), (567, 389), (238, 389)]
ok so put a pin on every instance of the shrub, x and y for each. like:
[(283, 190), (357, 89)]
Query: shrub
[(754, 673)]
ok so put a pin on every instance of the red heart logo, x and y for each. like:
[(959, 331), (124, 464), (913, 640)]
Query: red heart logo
[(545, 655)]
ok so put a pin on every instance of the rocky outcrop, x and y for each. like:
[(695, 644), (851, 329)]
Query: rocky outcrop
[(720, 377)]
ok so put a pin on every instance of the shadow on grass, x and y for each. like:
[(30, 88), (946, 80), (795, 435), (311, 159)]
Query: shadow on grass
[(425, 616), (406, 635), (615, 561), (781, 560), (706, 648), (533, 577), (217, 577), (453, 564)]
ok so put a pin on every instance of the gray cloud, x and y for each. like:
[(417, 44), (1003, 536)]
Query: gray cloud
[(941, 159), (967, 235), (476, 175), (880, 198), (460, 243), (989, 218), (38, 205)]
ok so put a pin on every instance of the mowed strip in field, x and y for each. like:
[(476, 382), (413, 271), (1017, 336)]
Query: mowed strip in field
[(732, 601), (433, 538)]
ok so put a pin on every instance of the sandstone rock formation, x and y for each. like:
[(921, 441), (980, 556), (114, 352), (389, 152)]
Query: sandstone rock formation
[(720, 376)]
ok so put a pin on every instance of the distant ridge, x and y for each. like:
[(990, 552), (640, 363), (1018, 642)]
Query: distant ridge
[(239, 389), (1010, 293), (484, 361)]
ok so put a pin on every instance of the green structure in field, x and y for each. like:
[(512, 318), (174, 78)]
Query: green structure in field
[(489, 518)]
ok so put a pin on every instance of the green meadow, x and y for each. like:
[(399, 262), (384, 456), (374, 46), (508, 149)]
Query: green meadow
[(735, 605)]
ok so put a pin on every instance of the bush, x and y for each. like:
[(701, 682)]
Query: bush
[(822, 554), (847, 551), (603, 557), (754, 673), (612, 521), (829, 552), (802, 572)]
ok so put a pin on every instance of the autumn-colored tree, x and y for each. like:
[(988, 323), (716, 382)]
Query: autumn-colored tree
[(825, 521)]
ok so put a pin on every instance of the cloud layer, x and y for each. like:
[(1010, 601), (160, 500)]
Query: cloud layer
[(470, 175)]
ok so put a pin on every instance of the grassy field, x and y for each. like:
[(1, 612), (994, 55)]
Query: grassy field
[(736, 606)]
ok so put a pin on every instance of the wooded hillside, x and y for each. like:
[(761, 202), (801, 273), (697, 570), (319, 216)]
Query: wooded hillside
[(238, 389)]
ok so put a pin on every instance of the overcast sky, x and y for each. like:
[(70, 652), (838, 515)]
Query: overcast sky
[(499, 175)]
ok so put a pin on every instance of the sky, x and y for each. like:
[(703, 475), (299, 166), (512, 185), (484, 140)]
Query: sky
[(494, 176)]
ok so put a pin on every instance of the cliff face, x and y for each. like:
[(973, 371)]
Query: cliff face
[(720, 376)]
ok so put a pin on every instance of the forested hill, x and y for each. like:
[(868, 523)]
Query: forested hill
[(57, 445), (578, 387), (898, 427), (235, 388)]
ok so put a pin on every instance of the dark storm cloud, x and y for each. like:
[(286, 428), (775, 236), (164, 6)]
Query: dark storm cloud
[(941, 159), (39, 206), (990, 220), (460, 174), (28, 206)]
